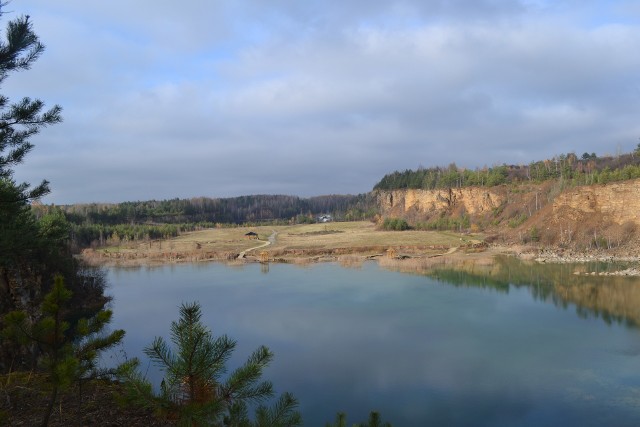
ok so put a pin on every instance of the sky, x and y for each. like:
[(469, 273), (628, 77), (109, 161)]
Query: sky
[(223, 98)]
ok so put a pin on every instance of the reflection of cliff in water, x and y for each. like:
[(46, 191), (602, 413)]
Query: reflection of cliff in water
[(611, 298)]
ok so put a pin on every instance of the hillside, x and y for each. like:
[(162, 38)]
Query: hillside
[(568, 202), (599, 216)]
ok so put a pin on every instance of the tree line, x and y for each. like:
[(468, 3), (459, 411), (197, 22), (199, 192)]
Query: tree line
[(233, 210), (585, 170)]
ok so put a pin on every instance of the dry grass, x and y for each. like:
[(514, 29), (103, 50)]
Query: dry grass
[(219, 239), (358, 235), (296, 241), (211, 244), (24, 395)]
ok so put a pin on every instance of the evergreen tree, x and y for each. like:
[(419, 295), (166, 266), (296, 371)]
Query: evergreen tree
[(193, 390), (64, 357), (18, 122), (21, 120), (32, 252)]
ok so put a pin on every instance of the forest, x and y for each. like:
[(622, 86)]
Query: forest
[(573, 170), (235, 210)]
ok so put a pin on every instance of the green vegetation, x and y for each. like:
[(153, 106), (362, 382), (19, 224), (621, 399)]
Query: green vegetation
[(85, 235), (589, 169), (373, 421), (444, 223), (534, 234), (395, 224), (33, 251), (518, 220), (65, 357), (193, 390), (259, 209), (51, 307)]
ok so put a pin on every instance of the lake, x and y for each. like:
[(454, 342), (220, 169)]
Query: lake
[(499, 345)]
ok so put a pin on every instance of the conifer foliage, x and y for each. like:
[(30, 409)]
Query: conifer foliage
[(194, 390), (64, 357), (21, 120), (32, 251)]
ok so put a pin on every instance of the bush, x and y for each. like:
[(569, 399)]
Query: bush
[(518, 220), (534, 234), (395, 224)]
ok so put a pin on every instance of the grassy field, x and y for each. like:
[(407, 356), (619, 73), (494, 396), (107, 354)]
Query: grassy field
[(336, 238), (357, 235), (312, 236)]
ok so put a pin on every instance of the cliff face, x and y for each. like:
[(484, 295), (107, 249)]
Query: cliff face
[(617, 202), (426, 203), (538, 204)]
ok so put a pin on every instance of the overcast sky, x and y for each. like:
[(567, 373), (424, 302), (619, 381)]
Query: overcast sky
[(222, 98)]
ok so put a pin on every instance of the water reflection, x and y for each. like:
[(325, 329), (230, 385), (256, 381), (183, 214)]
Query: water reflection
[(480, 345), (264, 267), (610, 298)]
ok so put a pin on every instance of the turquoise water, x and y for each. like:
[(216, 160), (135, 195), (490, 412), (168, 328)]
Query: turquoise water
[(419, 350)]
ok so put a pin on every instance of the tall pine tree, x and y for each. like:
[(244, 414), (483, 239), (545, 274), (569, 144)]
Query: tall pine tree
[(32, 252)]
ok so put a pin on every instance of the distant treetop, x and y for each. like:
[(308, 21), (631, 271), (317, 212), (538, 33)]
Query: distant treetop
[(587, 170)]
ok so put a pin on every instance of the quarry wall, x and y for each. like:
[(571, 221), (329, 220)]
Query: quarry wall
[(617, 202)]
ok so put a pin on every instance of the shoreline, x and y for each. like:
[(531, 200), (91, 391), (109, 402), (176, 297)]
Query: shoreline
[(560, 255), (355, 255)]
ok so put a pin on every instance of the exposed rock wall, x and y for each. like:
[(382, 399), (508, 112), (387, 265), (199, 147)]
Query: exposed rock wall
[(617, 202), (473, 200)]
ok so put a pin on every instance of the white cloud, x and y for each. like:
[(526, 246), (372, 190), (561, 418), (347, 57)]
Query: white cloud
[(319, 98)]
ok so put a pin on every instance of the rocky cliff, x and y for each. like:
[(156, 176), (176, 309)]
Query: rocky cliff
[(417, 204), (617, 202), (576, 215)]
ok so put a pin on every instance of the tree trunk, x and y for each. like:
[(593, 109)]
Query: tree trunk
[(49, 410)]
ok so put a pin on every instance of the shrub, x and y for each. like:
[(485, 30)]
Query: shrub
[(395, 224), (517, 220), (534, 234)]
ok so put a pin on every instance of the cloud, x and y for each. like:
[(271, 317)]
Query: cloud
[(228, 98)]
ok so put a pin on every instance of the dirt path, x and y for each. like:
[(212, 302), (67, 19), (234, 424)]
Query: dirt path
[(270, 241), (449, 252)]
